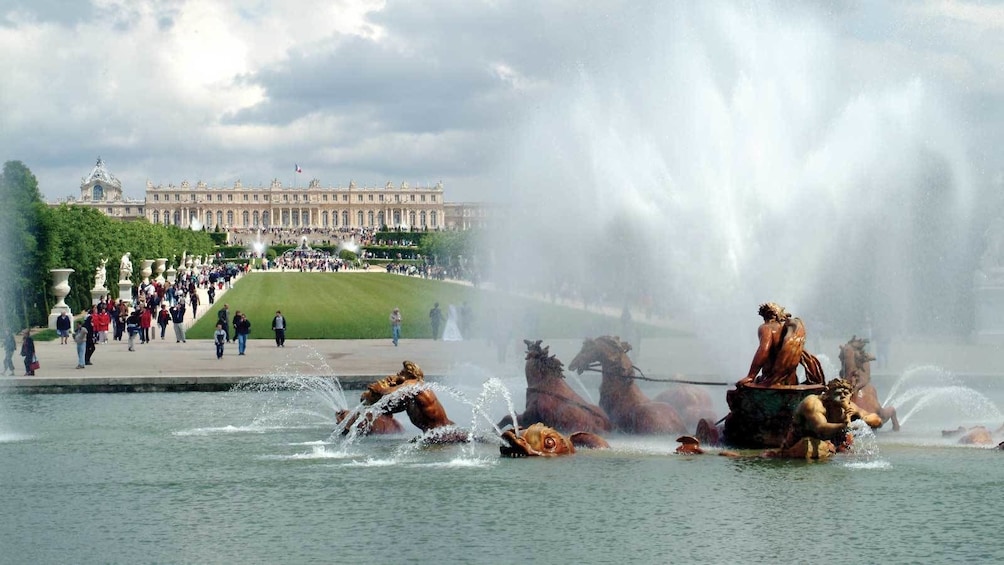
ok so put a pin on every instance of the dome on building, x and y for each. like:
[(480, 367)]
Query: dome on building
[(100, 185)]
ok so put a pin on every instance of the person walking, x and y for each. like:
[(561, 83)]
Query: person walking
[(102, 320), (63, 324), (132, 327), (163, 317), (9, 345), (242, 328), (193, 298), (223, 317), (92, 338), (28, 352), (466, 321), (119, 319), (219, 338), (80, 338), (395, 325), (145, 321), (436, 318), (279, 327), (178, 319)]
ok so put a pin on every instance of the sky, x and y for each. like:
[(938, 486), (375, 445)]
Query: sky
[(416, 92)]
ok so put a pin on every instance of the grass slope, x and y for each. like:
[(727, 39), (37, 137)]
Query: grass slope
[(357, 306)]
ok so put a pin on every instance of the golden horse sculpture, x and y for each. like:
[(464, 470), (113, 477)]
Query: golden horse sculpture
[(421, 405), (855, 367), (628, 408), (549, 399), (692, 403)]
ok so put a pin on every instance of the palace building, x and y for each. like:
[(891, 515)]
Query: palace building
[(239, 207), (101, 190), (313, 206)]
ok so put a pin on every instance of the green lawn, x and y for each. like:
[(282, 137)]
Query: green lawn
[(357, 306)]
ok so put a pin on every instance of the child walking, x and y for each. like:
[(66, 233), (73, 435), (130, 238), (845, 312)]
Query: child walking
[(220, 337)]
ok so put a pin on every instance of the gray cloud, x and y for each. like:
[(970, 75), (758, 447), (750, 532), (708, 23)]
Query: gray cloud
[(409, 91)]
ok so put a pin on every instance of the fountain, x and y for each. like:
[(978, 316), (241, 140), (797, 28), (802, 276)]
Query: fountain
[(701, 159), (738, 175)]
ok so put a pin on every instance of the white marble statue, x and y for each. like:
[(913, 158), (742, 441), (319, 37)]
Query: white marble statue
[(125, 267), (100, 275)]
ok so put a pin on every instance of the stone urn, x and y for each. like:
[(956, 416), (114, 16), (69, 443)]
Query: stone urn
[(159, 269), (60, 289), (171, 274), (146, 270)]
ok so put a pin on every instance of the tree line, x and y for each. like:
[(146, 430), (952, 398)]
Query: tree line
[(35, 238)]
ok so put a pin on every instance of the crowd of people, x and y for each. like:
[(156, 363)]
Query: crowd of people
[(155, 305), (295, 236)]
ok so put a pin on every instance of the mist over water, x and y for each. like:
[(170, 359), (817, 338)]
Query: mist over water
[(710, 158)]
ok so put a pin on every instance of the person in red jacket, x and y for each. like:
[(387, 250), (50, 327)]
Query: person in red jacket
[(102, 321), (145, 321)]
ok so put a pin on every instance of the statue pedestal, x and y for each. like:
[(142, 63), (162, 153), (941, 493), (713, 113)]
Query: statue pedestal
[(97, 294), (125, 291), (759, 416), (989, 326)]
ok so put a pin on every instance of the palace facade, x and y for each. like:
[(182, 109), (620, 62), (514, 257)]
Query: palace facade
[(240, 207), (313, 206)]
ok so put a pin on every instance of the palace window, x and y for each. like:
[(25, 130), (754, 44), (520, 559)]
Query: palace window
[(381, 198), (156, 197), (285, 198), (360, 216), (345, 219), (230, 218), (423, 198), (296, 198), (411, 197), (245, 216), (371, 197), (325, 197), (177, 197), (219, 197), (360, 198), (345, 198), (230, 198), (156, 216), (256, 198), (245, 198), (432, 218), (433, 197)]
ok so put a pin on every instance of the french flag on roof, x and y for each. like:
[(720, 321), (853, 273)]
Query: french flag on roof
[(298, 169)]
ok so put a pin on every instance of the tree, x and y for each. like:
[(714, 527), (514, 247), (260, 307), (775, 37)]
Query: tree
[(25, 245)]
